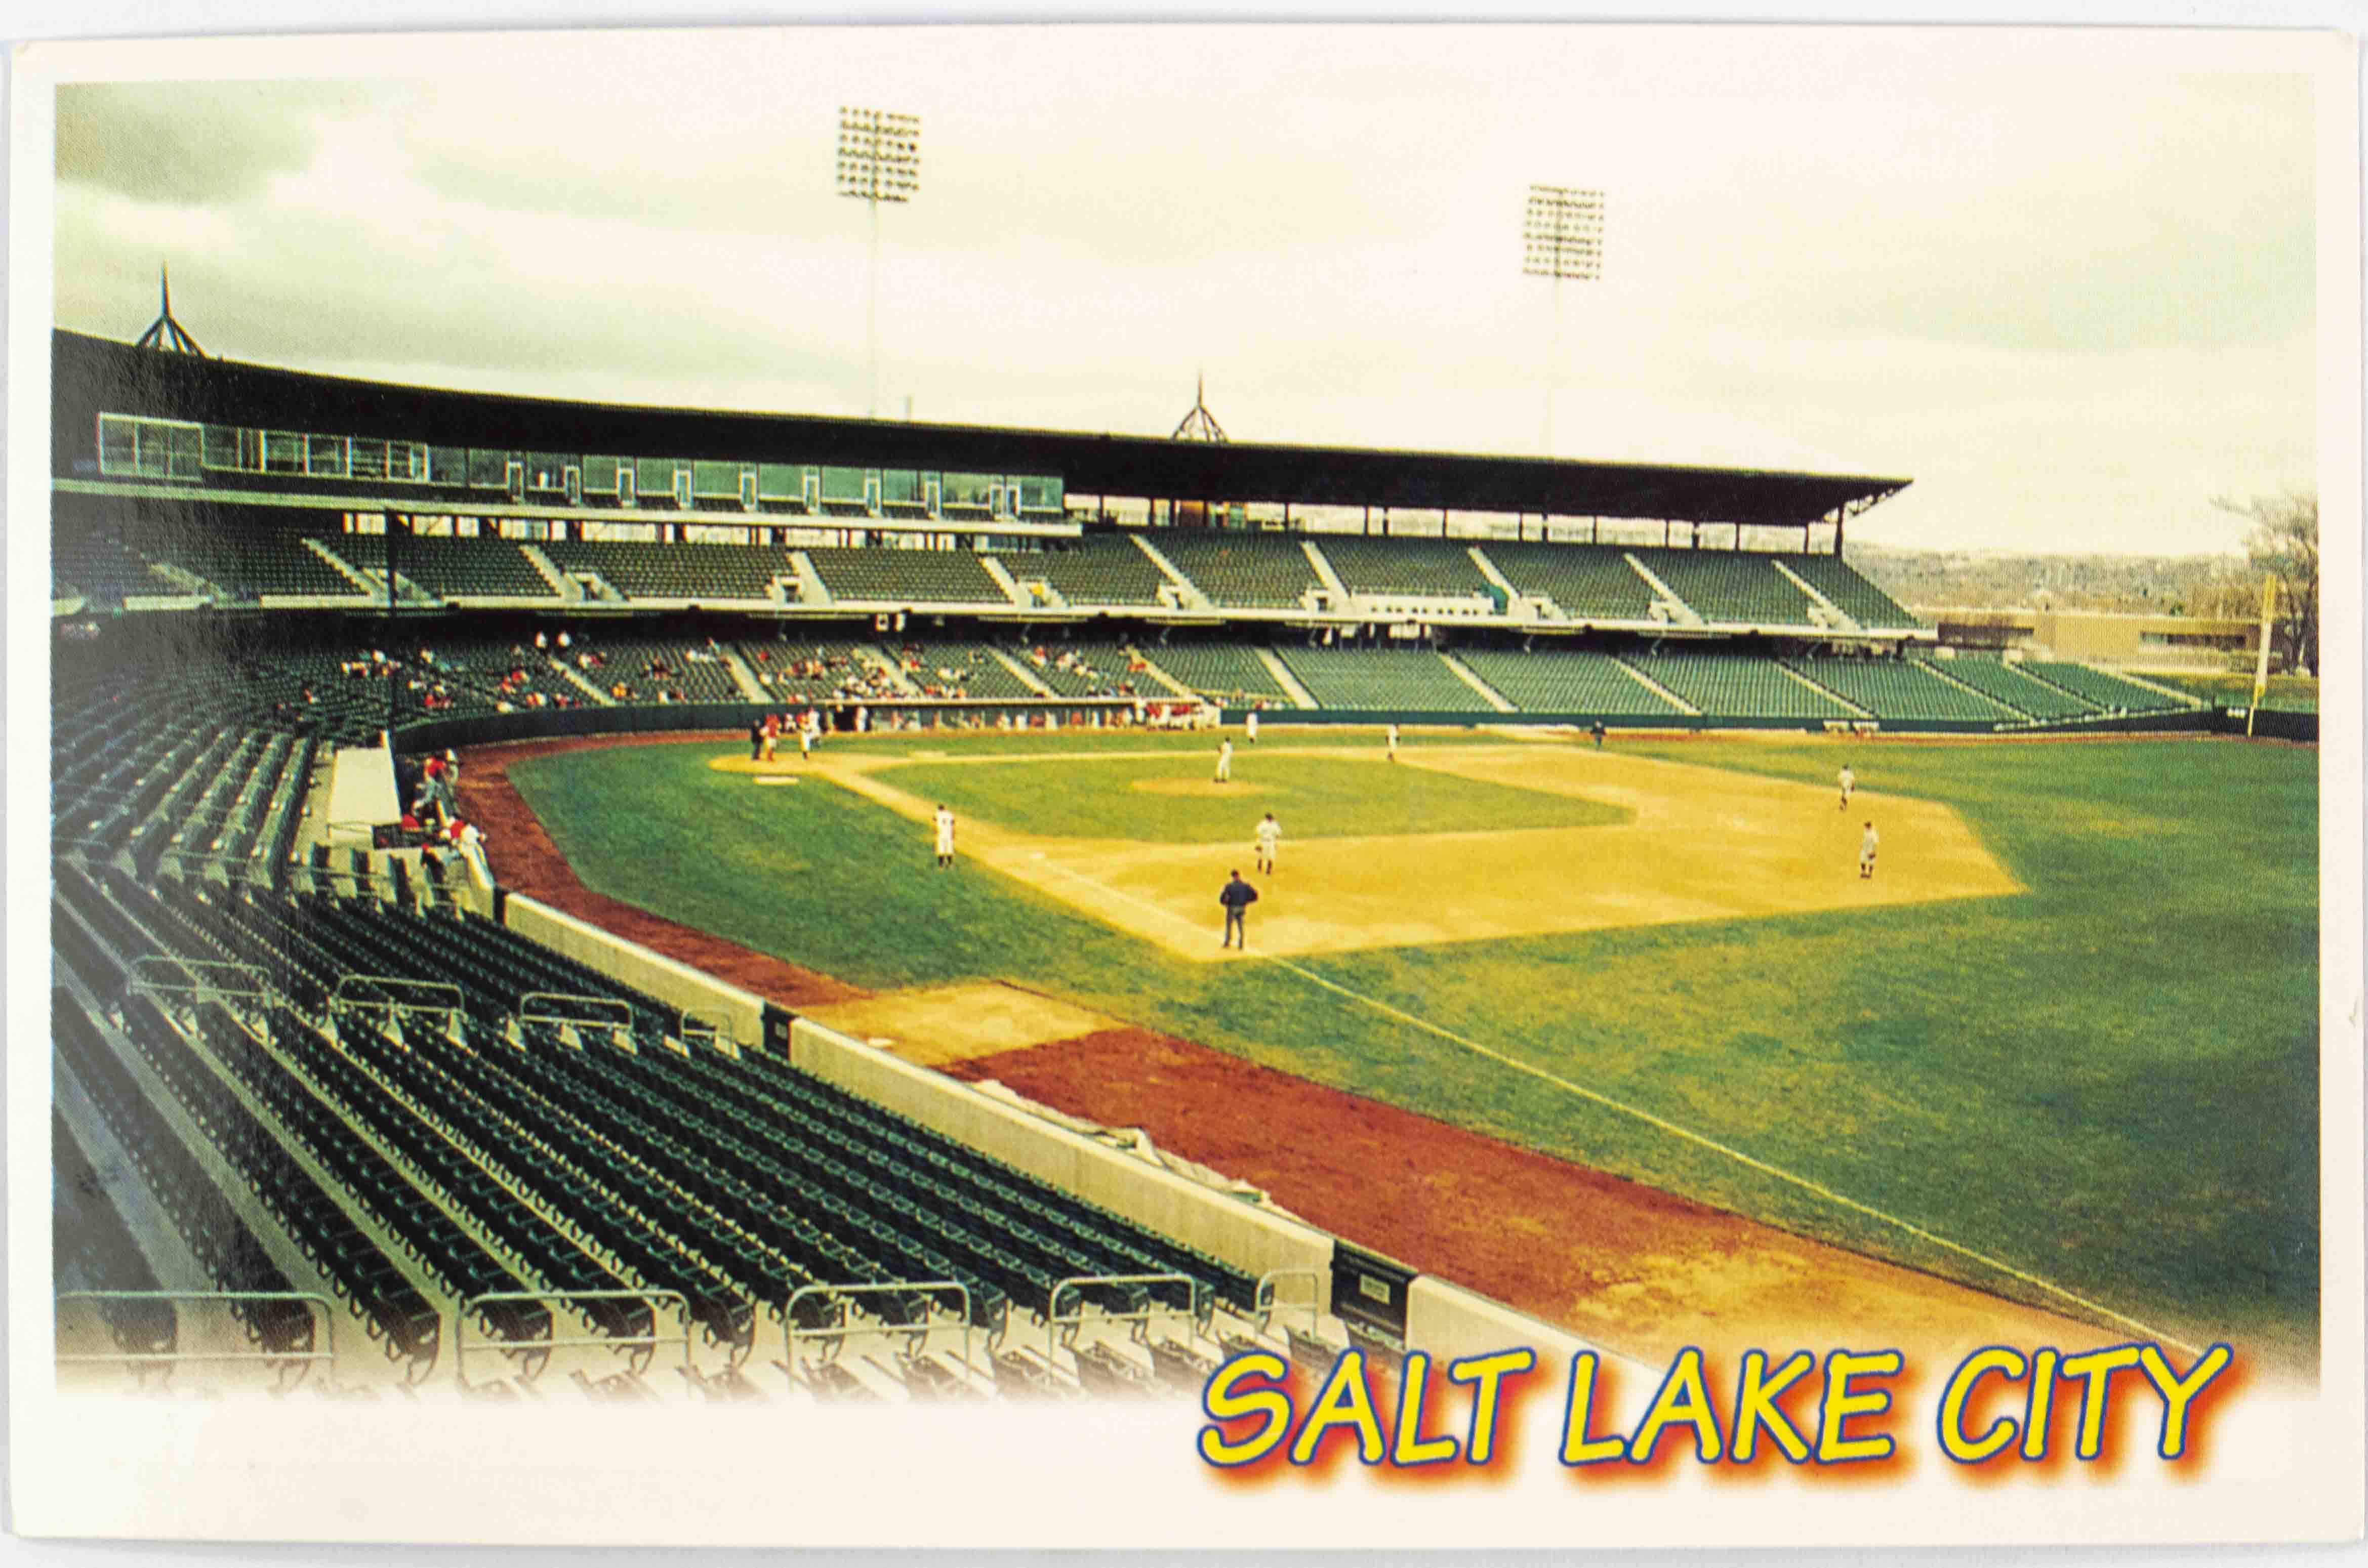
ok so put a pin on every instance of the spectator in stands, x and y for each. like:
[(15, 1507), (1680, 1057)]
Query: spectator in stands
[(1236, 896)]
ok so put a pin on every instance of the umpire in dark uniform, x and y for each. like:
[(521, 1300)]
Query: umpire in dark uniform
[(1236, 896)]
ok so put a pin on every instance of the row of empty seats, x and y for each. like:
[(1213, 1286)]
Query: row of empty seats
[(1382, 678), (942, 576), (1567, 682), (1234, 569), (1089, 572), (1901, 689)]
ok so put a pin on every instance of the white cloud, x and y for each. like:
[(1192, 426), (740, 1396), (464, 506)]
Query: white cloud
[(2072, 304)]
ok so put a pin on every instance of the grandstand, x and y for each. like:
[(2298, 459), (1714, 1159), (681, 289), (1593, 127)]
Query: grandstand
[(451, 568), (1406, 568), (343, 1065), (1222, 671), (683, 573), (1086, 573), (1726, 585), (2007, 684), (1900, 688), (1738, 686), (1579, 684), (1382, 680), (904, 576), (1585, 581), (1244, 571)]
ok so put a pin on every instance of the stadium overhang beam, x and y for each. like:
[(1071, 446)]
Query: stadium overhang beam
[(95, 375)]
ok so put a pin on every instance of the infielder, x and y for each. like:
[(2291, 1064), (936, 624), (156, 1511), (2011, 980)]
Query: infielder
[(1225, 761), (1392, 735), (1249, 726), (1866, 848), (1270, 839), (1849, 782), (945, 838)]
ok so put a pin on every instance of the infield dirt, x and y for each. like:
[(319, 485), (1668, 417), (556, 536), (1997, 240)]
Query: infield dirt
[(1703, 843)]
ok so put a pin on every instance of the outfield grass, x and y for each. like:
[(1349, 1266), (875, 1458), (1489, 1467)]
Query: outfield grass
[(2110, 1081), (1311, 797)]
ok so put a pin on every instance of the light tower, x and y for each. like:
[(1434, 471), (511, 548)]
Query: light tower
[(1562, 237), (879, 160)]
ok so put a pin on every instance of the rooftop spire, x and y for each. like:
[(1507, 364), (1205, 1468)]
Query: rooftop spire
[(1201, 425), (164, 335)]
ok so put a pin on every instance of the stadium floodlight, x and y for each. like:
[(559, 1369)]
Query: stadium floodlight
[(879, 160), (1562, 239)]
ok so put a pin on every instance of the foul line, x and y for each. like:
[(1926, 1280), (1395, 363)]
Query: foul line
[(1674, 1130)]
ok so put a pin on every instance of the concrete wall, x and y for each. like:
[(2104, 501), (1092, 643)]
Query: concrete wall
[(741, 1013), (1450, 1322), (1224, 1227), (361, 792)]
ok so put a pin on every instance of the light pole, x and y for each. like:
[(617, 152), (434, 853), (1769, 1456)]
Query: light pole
[(879, 160), (1562, 236)]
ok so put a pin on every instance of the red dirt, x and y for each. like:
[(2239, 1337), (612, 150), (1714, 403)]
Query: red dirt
[(525, 861), (1635, 1268)]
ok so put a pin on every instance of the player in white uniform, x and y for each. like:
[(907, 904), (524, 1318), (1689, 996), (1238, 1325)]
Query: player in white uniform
[(1849, 782), (1394, 743), (1249, 726), (945, 837), (1225, 762), (1270, 839), (1866, 848)]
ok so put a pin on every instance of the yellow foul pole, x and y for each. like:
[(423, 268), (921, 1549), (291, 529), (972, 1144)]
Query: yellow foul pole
[(2262, 663)]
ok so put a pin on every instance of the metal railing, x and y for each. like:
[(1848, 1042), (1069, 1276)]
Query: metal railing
[(195, 984), (1270, 1302), (1201, 1302), (647, 1343), (841, 1296), (326, 1344), (452, 1009), (529, 1012)]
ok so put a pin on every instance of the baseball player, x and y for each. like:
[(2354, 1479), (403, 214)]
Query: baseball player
[(1393, 736), (1866, 848), (1225, 761), (945, 837), (1236, 896), (1249, 726), (1270, 839), (1849, 782)]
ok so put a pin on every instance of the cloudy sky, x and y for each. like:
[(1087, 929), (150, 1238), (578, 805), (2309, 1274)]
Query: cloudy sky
[(2070, 294)]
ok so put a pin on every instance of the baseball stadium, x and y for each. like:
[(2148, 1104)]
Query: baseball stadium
[(499, 950)]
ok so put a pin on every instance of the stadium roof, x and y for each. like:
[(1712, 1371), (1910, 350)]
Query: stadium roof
[(95, 374)]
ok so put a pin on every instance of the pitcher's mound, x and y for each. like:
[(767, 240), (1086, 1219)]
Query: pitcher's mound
[(780, 768), (1194, 786)]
